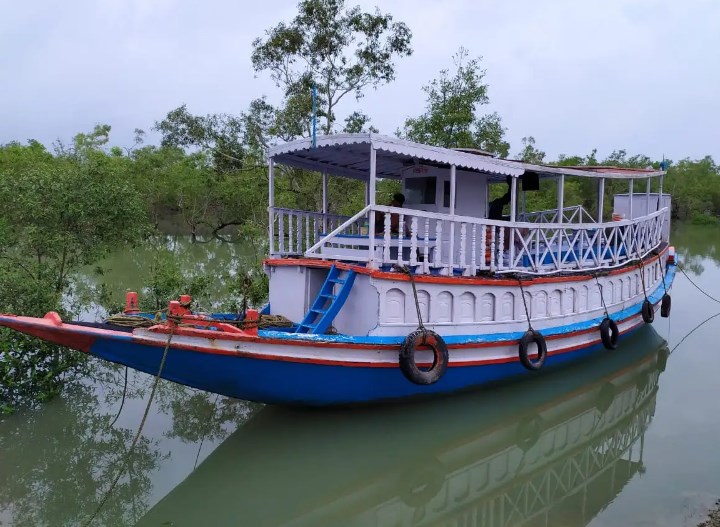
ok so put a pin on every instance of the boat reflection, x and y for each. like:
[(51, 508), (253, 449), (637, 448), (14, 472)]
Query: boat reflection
[(551, 451)]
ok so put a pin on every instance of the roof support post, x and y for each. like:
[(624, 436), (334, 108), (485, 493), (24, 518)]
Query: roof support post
[(659, 203), (324, 201), (453, 178), (601, 199), (271, 206), (561, 199), (371, 212), (630, 197), (647, 197), (513, 217), (560, 217)]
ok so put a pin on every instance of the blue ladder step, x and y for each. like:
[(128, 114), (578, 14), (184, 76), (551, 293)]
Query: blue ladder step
[(327, 304)]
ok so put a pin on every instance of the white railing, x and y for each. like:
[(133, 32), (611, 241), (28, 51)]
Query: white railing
[(460, 245), (295, 231), (574, 214)]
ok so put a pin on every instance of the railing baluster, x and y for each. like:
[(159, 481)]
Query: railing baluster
[(501, 249), (426, 247), (307, 233), (281, 232), (413, 241), (401, 232), (386, 239), (315, 230), (513, 237), (492, 248), (473, 251), (483, 247), (437, 261), (298, 247), (463, 244)]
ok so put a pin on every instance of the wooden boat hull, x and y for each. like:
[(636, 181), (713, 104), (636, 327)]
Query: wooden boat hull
[(320, 370)]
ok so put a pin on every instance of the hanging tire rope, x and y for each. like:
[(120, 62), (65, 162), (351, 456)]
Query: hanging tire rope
[(647, 311), (666, 302), (137, 434), (609, 332), (529, 337), (422, 337)]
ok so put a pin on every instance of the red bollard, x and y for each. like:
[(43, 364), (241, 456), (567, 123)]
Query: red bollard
[(252, 316), (131, 303)]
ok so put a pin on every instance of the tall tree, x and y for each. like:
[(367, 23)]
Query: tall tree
[(530, 154), (451, 118), (343, 50)]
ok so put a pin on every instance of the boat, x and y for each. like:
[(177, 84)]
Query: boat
[(557, 452), (425, 296)]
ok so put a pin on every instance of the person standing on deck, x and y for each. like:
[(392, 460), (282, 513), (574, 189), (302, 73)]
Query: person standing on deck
[(398, 200), (497, 205)]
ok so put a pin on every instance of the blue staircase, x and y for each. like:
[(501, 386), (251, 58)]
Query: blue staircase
[(327, 304)]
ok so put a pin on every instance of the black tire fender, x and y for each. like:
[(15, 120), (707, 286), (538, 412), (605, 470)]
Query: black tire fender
[(648, 313), (429, 339), (665, 306), (609, 333), (532, 336)]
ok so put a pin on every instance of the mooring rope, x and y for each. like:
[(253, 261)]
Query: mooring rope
[(527, 313), (693, 330), (602, 295), (682, 270), (410, 275), (137, 435)]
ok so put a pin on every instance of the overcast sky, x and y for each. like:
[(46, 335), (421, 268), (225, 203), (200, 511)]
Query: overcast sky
[(642, 75)]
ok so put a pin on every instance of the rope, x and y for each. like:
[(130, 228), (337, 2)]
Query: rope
[(693, 330), (642, 277), (137, 435), (130, 321), (123, 399), (265, 321), (527, 313), (697, 286), (663, 273), (602, 296), (405, 270)]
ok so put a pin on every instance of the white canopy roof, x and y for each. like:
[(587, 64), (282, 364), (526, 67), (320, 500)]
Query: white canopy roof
[(349, 155)]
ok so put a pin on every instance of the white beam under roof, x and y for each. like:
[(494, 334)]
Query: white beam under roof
[(348, 155)]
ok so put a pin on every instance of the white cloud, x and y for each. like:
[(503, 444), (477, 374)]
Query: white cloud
[(634, 74)]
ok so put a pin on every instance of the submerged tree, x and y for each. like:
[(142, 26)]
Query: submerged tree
[(451, 119)]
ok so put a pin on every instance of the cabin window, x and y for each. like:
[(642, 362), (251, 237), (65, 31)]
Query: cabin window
[(446, 194), (420, 190)]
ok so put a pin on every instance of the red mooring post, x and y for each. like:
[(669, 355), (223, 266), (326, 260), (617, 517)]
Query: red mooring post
[(131, 303)]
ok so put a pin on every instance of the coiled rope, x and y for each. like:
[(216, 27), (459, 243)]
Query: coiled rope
[(264, 322)]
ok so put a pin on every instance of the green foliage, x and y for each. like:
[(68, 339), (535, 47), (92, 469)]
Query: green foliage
[(451, 118), (704, 219)]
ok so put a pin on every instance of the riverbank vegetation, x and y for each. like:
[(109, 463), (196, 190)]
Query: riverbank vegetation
[(63, 207)]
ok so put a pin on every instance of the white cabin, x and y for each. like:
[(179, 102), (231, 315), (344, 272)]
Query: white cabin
[(467, 267)]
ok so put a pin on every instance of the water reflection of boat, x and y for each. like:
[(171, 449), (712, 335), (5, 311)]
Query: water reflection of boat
[(555, 453)]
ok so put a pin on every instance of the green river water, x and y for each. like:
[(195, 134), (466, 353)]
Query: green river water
[(627, 439)]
